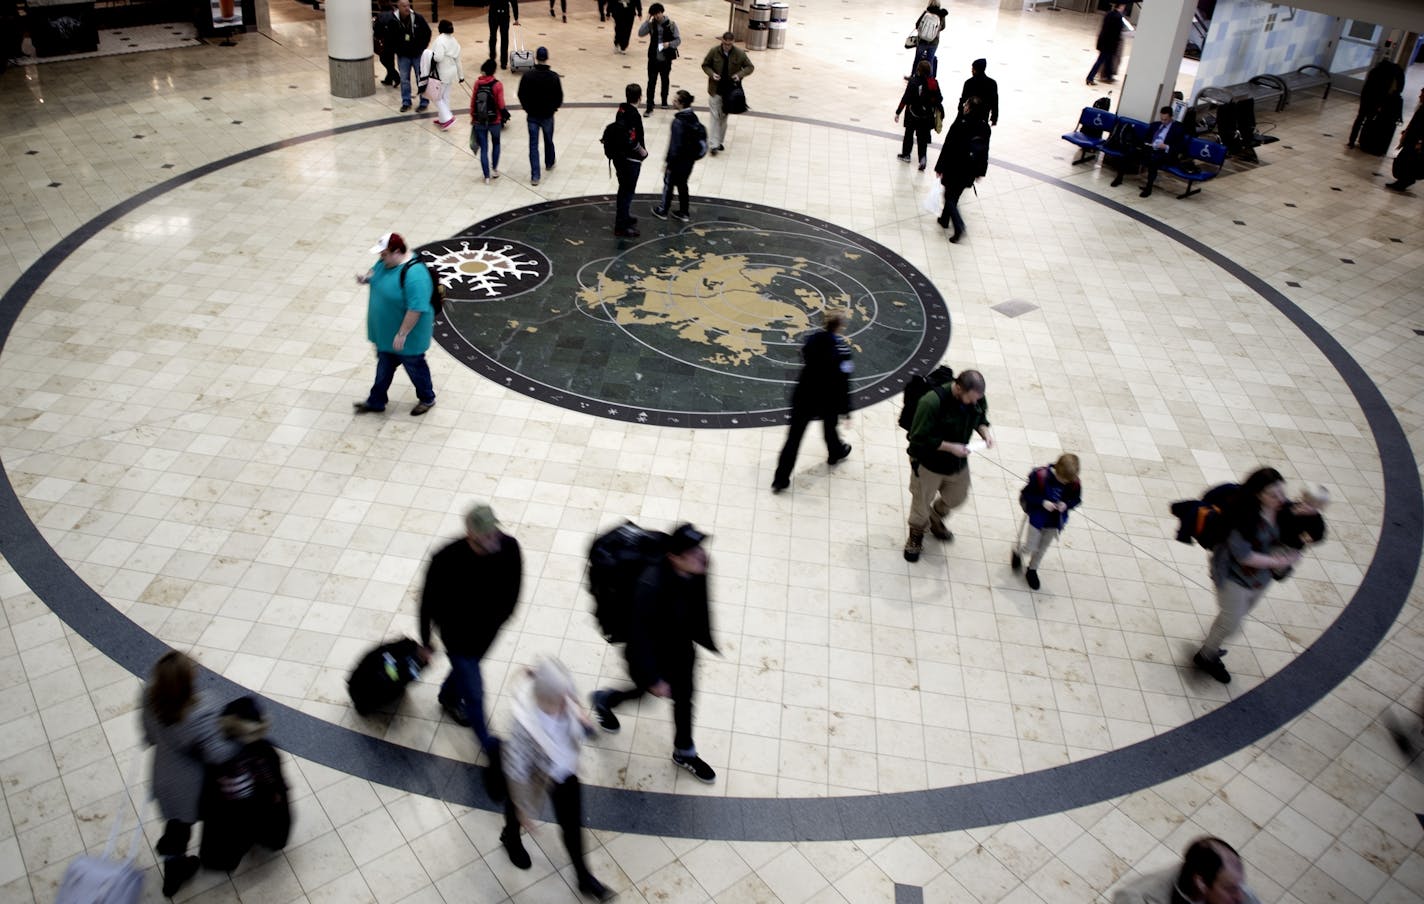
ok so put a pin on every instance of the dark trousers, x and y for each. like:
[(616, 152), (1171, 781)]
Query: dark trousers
[(951, 207), (623, 27), (675, 177), (658, 69), (916, 131), (388, 59), (567, 796), (601, 5), (1106, 63), (799, 422), (500, 27), (174, 842), (925, 51), (627, 171), (386, 365), (681, 708)]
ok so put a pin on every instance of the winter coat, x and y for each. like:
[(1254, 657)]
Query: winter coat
[(541, 92), (182, 751), (823, 389), (670, 614), (445, 57), (470, 595), (965, 155), (737, 66), (1044, 486), (407, 40), (922, 99)]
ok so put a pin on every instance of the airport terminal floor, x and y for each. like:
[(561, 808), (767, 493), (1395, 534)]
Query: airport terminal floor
[(182, 468)]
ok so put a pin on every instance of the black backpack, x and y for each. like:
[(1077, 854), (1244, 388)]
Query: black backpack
[(1205, 520), (437, 291), (615, 562), (938, 379), (617, 140), (486, 110), (694, 140), (382, 675)]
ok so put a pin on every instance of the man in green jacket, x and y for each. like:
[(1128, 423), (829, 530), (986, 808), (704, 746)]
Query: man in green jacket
[(945, 420), (726, 65)]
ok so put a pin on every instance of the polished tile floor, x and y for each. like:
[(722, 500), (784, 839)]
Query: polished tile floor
[(175, 420)]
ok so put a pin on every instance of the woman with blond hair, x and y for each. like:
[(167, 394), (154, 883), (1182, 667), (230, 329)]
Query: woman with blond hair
[(1047, 497), (187, 739)]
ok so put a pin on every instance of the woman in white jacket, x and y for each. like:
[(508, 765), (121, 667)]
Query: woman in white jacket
[(445, 65), (541, 760)]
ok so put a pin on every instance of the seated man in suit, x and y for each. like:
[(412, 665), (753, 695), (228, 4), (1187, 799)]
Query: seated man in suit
[(1166, 139), (1211, 873)]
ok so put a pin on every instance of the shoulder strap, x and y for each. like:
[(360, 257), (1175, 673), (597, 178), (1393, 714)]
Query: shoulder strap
[(406, 266)]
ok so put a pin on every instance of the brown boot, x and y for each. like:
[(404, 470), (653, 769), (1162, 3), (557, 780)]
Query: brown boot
[(938, 529), (915, 545)]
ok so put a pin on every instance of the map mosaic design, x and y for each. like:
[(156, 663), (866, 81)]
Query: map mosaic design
[(694, 324)]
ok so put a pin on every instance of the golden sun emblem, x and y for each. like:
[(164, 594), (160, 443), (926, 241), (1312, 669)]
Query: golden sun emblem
[(487, 269)]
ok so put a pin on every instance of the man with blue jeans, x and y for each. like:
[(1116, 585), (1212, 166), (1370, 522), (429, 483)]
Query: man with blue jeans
[(409, 34), (399, 321), (470, 591), (540, 94)]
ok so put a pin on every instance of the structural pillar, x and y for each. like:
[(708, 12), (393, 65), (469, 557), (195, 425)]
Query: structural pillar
[(349, 47), (1156, 58)]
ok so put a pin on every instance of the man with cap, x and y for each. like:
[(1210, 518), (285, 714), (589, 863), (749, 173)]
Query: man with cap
[(400, 321), (981, 86), (471, 588), (540, 94), (670, 619), (726, 65)]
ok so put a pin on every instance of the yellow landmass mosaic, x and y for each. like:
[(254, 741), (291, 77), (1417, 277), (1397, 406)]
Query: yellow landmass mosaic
[(721, 302)]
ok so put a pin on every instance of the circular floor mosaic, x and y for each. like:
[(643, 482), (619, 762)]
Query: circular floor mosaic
[(695, 324)]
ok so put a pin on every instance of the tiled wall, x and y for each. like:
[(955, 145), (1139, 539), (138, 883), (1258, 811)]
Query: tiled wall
[(1249, 37)]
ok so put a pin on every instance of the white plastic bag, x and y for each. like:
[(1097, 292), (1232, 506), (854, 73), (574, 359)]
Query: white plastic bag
[(933, 201)]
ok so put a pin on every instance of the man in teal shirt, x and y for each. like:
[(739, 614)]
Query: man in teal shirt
[(399, 320)]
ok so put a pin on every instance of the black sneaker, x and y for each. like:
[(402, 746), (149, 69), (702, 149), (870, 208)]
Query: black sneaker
[(405, 108), (1015, 562), (1032, 577), (602, 714), (176, 874), (696, 766), (595, 889), (456, 711), (840, 456), (1212, 667), (660, 212), (681, 216), (515, 849)]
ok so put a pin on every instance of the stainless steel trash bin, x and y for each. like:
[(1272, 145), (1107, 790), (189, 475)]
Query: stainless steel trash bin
[(758, 26), (776, 36)]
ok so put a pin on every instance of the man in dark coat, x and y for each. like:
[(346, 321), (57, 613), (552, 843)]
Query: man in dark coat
[(964, 158), (409, 35), (470, 591), (1383, 82), (499, 16), (541, 93), (1409, 165), (981, 86), (629, 162), (1166, 139), (670, 620), (823, 391), (1109, 44), (382, 29), (624, 13)]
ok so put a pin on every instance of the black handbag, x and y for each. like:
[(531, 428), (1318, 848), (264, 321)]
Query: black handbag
[(735, 102)]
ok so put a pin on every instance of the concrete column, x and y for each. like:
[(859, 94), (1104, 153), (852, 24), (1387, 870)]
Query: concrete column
[(1156, 58), (349, 48)]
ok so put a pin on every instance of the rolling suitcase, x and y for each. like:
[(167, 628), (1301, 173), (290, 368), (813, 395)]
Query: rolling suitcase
[(1377, 135), (382, 674)]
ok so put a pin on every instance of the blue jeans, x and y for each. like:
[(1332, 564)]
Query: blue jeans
[(409, 71), (675, 179), (482, 137), (925, 52), (535, 127), (465, 687), (415, 368)]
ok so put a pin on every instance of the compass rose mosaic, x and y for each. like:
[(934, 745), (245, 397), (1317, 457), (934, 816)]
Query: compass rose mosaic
[(695, 324)]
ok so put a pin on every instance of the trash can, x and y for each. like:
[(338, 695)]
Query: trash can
[(739, 24), (776, 36), (758, 26)]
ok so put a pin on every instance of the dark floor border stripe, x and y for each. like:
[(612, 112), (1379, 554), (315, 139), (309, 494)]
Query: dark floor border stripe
[(1342, 647)]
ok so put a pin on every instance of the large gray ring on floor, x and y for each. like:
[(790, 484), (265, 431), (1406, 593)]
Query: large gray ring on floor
[(1341, 648)]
